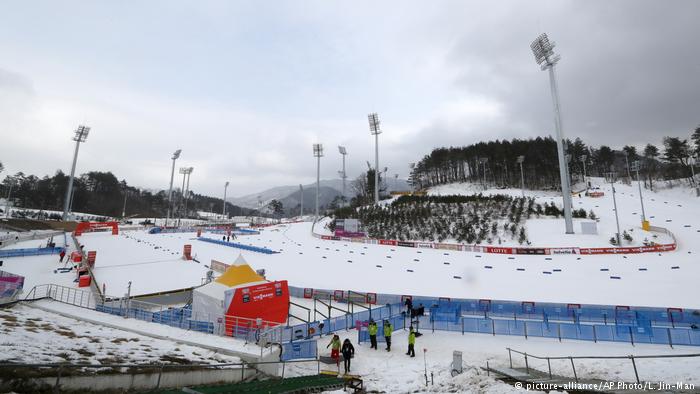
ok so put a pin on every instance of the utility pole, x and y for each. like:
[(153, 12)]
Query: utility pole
[(636, 165), (81, 134), (343, 175), (9, 195), (520, 161), (224, 210), (543, 50), (583, 160), (124, 207), (611, 177)]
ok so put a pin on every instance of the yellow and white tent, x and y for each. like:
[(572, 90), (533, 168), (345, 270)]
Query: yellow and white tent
[(211, 299)]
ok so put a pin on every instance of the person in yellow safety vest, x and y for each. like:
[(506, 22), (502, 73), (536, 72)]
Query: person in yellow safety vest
[(411, 343), (335, 350), (372, 328), (387, 334)]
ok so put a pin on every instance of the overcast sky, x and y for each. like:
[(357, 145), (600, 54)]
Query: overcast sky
[(245, 88)]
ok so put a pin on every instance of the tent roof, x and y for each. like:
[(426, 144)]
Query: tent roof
[(239, 273)]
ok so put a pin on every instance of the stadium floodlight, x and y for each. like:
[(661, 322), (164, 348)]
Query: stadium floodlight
[(343, 175), (543, 49), (318, 153), (636, 166), (176, 155), (81, 134), (187, 189), (610, 176), (374, 129), (224, 210), (520, 161)]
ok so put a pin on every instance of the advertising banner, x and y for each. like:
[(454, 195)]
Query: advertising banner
[(491, 249), (406, 244), (530, 251), (387, 242), (218, 266)]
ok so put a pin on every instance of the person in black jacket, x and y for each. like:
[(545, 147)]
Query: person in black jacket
[(348, 352)]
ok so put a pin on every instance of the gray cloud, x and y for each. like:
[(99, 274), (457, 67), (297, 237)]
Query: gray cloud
[(245, 90)]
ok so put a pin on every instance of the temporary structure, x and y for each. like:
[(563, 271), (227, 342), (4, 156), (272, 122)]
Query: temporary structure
[(240, 292)]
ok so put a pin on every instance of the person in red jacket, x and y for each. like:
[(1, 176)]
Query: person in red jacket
[(61, 255)]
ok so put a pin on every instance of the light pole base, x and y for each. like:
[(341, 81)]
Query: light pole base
[(645, 225), (570, 232)]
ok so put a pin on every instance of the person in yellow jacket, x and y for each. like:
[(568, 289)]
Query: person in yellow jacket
[(388, 329), (372, 328), (411, 343), (335, 349)]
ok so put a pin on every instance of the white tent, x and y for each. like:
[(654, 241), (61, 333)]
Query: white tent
[(211, 301)]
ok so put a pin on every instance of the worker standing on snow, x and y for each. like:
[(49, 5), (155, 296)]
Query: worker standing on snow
[(411, 343), (348, 352), (335, 350), (61, 255), (387, 334), (372, 328)]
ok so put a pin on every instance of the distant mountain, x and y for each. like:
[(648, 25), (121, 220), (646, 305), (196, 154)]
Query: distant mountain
[(290, 196)]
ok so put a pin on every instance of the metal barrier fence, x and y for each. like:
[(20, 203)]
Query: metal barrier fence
[(237, 245), (247, 329), (299, 350), (60, 371), (319, 328), (572, 358), (629, 333), (29, 252)]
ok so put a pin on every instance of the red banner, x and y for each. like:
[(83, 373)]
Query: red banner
[(491, 249), (387, 242)]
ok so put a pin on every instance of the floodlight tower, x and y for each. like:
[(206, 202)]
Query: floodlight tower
[(343, 175), (520, 161), (176, 155), (318, 153), (224, 210), (374, 129), (81, 134), (183, 171), (187, 189), (543, 49)]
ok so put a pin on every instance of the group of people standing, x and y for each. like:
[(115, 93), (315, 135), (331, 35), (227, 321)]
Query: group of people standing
[(348, 350)]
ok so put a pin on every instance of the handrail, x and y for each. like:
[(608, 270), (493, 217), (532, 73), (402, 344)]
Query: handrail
[(602, 357), (571, 359)]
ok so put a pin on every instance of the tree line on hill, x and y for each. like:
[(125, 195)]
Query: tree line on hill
[(101, 193), (495, 163)]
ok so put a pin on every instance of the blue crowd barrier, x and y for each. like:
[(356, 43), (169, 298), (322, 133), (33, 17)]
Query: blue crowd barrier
[(237, 245), (29, 252), (299, 350)]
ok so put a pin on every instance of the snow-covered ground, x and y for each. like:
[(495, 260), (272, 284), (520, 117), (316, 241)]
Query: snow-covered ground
[(394, 372), (33, 335), (650, 279)]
